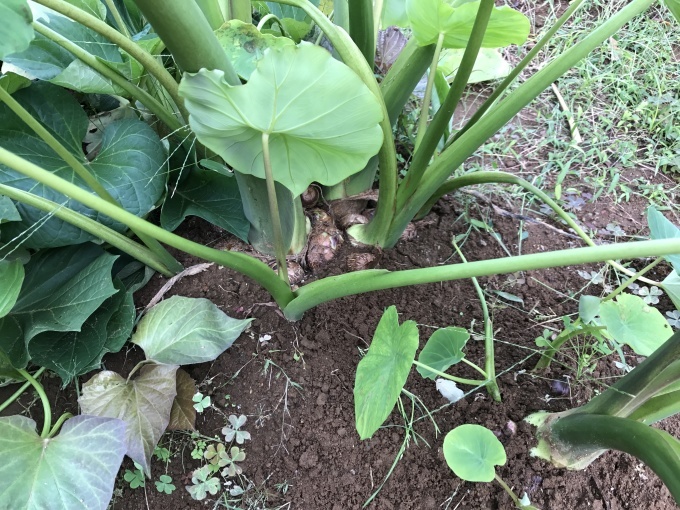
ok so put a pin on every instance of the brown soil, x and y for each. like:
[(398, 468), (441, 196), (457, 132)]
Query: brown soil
[(305, 439)]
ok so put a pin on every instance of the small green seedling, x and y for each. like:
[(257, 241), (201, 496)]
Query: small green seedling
[(235, 455), (201, 403), (162, 454), (203, 484), (232, 431), (472, 452), (134, 478), (199, 449), (164, 484)]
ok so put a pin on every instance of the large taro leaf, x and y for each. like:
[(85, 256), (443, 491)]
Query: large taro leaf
[(661, 228), (183, 413), (394, 13), (208, 195), (633, 322), (429, 18), (244, 44), (8, 211), (288, 11), (74, 353), (443, 349), (62, 288), (382, 373), (16, 31), (672, 287), (46, 60), (472, 452), (489, 65), (321, 119), (130, 164), (143, 403), (182, 331), (75, 470), (11, 278)]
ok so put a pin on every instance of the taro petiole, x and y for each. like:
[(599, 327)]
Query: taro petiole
[(619, 419)]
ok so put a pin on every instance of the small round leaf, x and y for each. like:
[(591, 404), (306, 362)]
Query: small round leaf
[(472, 451)]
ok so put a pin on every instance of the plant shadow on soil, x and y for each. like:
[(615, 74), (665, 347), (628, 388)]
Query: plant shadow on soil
[(305, 452)]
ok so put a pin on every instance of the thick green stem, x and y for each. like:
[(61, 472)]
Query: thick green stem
[(47, 409), (279, 246), (341, 14), (58, 424), (454, 156), (82, 172), (489, 357), (240, 9), (378, 6), (212, 12), (361, 27), (93, 227), (441, 120), (135, 92), (651, 446), (118, 18), (240, 262), (20, 391), (427, 98), (359, 282), (469, 382), (148, 61), (657, 408), (485, 177), (353, 57), (187, 34), (517, 70)]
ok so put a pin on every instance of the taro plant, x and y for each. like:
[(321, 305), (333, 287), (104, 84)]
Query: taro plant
[(472, 452)]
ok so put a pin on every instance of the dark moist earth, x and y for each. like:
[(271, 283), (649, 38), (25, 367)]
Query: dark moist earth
[(304, 442), (305, 453)]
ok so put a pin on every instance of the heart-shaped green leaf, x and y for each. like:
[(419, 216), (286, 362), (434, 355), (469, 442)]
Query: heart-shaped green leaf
[(472, 452), (182, 331), (208, 195), (288, 11), (443, 349), (130, 164), (382, 373), (183, 413), (394, 14), (244, 44), (429, 18), (11, 278), (326, 139), (661, 228), (671, 285), (76, 469), (489, 65), (46, 60), (144, 404), (62, 288), (74, 353), (16, 32), (633, 322)]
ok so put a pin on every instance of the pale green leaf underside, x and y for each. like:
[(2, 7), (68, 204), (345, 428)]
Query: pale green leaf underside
[(443, 349), (244, 44), (634, 323), (182, 331), (661, 228), (321, 118), (144, 404), (429, 18), (75, 470), (394, 13), (382, 373), (472, 452), (16, 32), (11, 278), (490, 65)]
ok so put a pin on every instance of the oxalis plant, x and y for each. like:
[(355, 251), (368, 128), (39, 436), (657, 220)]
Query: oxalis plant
[(112, 109)]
